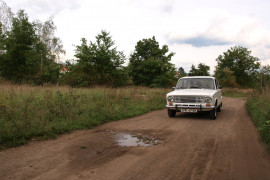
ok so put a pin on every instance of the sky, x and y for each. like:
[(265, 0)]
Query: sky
[(197, 31)]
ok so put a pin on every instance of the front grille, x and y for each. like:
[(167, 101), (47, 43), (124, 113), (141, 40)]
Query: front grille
[(188, 99)]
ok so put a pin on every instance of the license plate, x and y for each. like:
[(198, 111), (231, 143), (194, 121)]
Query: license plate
[(189, 110)]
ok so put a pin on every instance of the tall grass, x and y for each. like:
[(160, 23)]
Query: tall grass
[(39, 113), (258, 105), (236, 93)]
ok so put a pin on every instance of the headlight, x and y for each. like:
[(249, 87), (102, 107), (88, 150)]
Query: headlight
[(170, 98), (208, 100)]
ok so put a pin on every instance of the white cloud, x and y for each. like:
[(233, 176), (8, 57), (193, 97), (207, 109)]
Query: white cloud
[(216, 32), (188, 55), (127, 21), (265, 62), (42, 9), (221, 23)]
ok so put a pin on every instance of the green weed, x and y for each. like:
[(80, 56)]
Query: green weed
[(258, 105), (28, 113), (83, 147)]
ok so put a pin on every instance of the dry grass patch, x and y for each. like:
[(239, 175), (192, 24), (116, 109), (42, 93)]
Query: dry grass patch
[(236, 92)]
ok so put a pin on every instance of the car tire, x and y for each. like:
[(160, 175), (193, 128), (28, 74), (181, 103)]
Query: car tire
[(219, 108), (171, 113), (213, 114)]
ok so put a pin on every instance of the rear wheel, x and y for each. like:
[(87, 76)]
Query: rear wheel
[(171, 113), (213, 114)]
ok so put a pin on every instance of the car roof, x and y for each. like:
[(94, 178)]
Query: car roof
[(189, 77)]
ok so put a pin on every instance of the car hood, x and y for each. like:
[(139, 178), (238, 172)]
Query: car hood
[(191, 92)]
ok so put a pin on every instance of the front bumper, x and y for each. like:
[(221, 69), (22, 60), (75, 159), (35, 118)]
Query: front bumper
[(199, 107)]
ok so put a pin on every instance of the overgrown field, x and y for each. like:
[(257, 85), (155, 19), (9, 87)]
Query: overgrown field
[(258, 106), (32, 113), (235, 92)]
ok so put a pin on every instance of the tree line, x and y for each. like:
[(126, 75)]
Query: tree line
[(29, 53), (28, 50)]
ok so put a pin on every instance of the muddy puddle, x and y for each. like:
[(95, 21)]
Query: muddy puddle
[(126, 139)]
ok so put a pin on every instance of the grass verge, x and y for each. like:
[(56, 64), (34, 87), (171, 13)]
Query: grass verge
[(258, 106), (33, 113), (236, 93)]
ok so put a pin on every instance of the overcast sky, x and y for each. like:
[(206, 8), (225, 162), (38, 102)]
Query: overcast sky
[(196, 30)]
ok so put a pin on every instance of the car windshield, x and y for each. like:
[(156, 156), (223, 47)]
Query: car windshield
[(196, 83)]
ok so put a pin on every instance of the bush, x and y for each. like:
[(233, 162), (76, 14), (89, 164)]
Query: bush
[(258, 106)]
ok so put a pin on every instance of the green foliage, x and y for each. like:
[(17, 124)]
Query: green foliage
[(19, 62), (28, 50), (2, 38), (78, 75), (150, 66), (49, 74), (202, 70), (2, 47), (226, 78), (38, 113), (181, 72), (265, 76), (258, 105), (239, 61), (98, 63)]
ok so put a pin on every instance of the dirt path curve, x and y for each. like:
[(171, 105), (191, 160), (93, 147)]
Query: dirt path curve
[(192, 147)]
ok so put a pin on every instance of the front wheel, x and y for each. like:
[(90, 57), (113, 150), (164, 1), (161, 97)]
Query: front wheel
[(171, 113), (219, 108), (213, 114)]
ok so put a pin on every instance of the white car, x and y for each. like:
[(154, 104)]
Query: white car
[(194, 94)]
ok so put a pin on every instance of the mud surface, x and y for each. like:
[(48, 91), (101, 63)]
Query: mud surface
[(191, 147), (128, 140)]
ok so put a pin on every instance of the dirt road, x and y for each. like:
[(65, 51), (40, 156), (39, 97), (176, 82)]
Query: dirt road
[(191, 146)]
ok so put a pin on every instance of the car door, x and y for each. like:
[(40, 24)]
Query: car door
[(218, 91)]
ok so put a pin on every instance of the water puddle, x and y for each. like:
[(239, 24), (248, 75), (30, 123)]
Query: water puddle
[(125, 139)]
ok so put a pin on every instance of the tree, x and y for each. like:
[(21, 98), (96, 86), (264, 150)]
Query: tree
[(181, 72), (19, 61), (98, 63), (265, 76), (28, 50), (202, 70), (45, 32), (2, 40), (193, 71), (5, 24), (226, 78), (150, 66), (239, 61), (50, 48), (5, 17), (25, 55)]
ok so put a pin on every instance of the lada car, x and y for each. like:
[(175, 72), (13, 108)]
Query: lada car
[(195, 94)]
